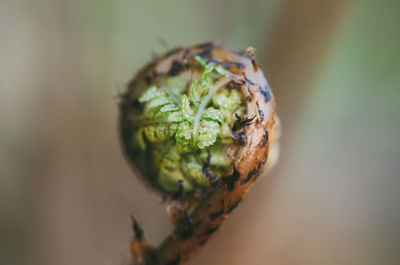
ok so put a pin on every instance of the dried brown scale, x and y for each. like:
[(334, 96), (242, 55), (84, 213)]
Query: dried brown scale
[(250, 52), (264, 141), (142, 251), (228, 192)]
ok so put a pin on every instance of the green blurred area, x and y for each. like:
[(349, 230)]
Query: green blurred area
[(66, 191)]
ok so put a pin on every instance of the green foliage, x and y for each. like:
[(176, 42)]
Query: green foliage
[(218, 68), (229, 100), (194, 94), (208, 133), (167, 124), (169, 108), (183, 135), (186, 110), (213, 114), (192, 168), (168, 159), (151, 93), (218, 158)]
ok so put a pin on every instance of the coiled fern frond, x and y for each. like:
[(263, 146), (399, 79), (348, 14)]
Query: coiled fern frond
[(181, 124)]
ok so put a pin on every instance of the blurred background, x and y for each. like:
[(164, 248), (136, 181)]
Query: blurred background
[(66, 191)]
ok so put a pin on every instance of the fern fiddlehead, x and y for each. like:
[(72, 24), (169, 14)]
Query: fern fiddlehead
[(198, 123), (178, 125)]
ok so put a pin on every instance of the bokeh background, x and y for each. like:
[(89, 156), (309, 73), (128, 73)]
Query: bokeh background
[(66, 191)]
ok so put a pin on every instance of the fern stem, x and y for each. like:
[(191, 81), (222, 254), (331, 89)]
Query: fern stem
[(170, 93), (173, 96), (205, 100)]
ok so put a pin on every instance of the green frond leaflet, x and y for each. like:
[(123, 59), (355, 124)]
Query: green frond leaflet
[(193, 94)]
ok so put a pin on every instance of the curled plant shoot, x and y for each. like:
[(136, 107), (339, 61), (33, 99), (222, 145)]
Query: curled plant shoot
[(198, 123)]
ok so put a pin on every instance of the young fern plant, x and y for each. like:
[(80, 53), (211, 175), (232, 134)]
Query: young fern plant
[(198, 123)]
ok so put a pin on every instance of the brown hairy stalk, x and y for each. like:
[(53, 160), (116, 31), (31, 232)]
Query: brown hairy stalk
[(194, 219)]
